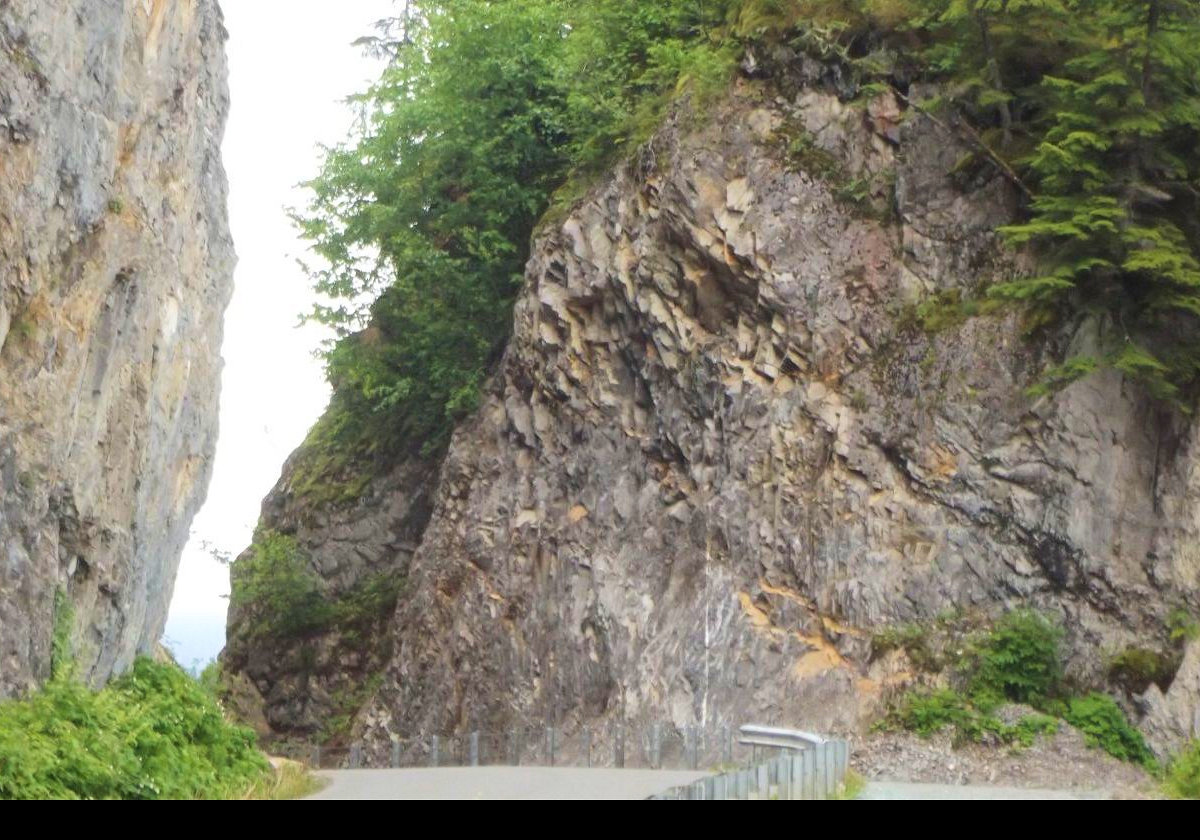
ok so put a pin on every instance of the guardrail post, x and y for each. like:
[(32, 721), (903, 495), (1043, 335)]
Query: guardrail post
[(515, 747), (550, 745), (395, 754), (619, 746), (473, 749), (355, 756), (825, 762), (808, 774), (656, 745), (434, 751), (728, 745), (693, 747), (316, 757), (783, 775), (587, 746)]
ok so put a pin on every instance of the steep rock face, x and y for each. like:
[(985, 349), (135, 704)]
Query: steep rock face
[(718, 452), (309, 688), (115, 269)]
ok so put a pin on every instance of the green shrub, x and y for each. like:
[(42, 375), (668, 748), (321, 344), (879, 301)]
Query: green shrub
[(1017, 660), (913, 639), (61, 654), (1183, 774), (151, 734), (1104, 725), (282, 597), (274, 583), (926, 713)]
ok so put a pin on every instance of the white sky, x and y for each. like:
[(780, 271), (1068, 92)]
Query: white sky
[(290, 67)]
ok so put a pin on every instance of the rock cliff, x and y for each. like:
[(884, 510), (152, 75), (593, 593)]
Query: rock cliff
[(115, 269), (743, 422)]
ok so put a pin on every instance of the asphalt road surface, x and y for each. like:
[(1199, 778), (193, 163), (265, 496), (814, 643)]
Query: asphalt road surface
[(500, 783)]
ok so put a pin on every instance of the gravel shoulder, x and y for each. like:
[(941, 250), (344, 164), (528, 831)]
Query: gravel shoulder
[(1060, 763)]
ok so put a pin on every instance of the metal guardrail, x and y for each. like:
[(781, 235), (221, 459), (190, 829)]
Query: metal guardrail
[(653, 745), (810, 767), (806, 765)]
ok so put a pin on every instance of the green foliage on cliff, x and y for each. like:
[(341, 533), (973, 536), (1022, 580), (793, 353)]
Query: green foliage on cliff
[(421, 221), (1183, 775), (1105, 726), (280, 596), (1093, 108), (151, 734), (1017, 660)]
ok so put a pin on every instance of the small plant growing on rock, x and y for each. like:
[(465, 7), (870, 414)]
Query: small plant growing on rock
[(1183, 775)]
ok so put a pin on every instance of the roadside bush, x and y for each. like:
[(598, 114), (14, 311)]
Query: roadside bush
[(928, 713), (1018, 660), (151, 734), (1104, 725)]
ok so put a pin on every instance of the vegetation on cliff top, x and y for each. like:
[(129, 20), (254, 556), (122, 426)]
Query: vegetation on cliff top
[(421, 221)]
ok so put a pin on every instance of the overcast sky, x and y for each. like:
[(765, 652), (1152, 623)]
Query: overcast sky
[(291, 64)]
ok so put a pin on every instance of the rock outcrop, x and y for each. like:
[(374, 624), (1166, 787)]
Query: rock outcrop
[(726, 443), (115, 269)]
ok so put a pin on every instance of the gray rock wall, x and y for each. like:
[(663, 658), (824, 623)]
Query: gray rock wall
[(115, 268), (720, 451)]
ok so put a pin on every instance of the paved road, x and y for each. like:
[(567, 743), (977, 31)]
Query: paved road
[(908, 790), (500, 783)]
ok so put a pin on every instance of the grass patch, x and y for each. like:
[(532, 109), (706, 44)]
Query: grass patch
[(290, 780), (851, 787)]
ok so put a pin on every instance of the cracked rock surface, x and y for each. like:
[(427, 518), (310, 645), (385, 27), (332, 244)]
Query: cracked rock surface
[(718, 453), (115, 268)]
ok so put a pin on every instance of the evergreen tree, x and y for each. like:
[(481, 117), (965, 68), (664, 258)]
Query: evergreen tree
[(1116, 174)]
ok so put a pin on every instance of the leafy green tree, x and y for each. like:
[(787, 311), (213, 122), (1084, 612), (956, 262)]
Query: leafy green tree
[(421, 222)]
